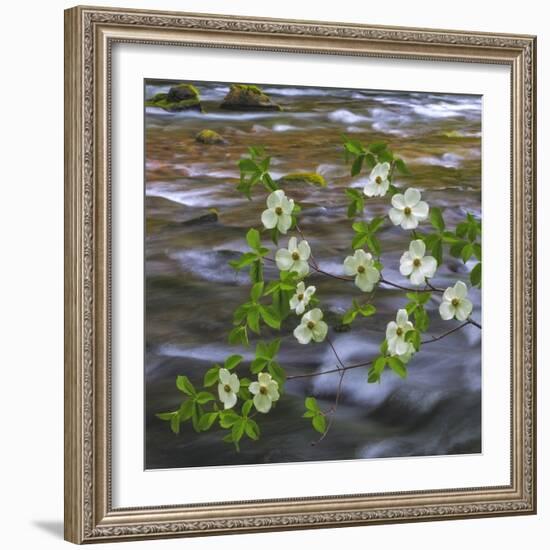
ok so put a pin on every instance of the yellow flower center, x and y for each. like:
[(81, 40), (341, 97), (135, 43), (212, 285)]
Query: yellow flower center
[(455, 302), (399, 331), (263, 390), (295, 256), (417, 262), (300, 297), (378, 180), (227, 388), (278, 210), (360, 269), (407, 211), (310, 325)]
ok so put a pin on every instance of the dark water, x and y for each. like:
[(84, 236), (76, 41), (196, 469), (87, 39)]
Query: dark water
[(191, 292)]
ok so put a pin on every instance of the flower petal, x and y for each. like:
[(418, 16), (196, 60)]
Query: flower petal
[(463, 309), (446, 310), (300, 308), (396, 216), (315, 314), (287, 205), (302, 334), (294, 302), (269, 219), (292, 245), (406, 265), (412, 197), (284, 222), (429, 266), (275, 199), (421, 210), (224, 376), (254, 387), (373, 275), (402, 317), (391, 329), (310, 291), (230, 400), (401, 346), (304, 250), (461, 290), (302, 268), (320, 331), (283, 259), (409, 222), (273, 390), (264, 378), (398, 201), (449, 294), (417, 248), (234, 383), (262, 402), (417, 277), (350, 265), (371, 189), (362, 281)]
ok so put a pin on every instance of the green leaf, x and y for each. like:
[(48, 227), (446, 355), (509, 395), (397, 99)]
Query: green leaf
[(379, 364), (359, 240), (413, 336), (258, 365), (256, 271), (184, 384), (274, 347), (186, 410), (238, 335), (253, 319), (204, 397), (367, 310), (175, 424), (232, 361), (257, 291), (397, 366), (377, 147), (311, 404), (237, 430), (246, 259), (206, 420), (437, 251), (375, 224), (385, 156), (384, 347), (252, 429), (436, 218), (349, 316), (357, 165), (462, 229), (475, 275), (421, 319), (467, 252), (319, 423), (277, 373), (248, 165), (269, 317), (477, 251), (228, 418), (354, 147), (247, 405), (166, 415), (456, 249), (253, 239), (374, 244), (402, 167)]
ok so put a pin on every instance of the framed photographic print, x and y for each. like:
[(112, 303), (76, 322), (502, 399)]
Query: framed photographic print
[(300, 274)]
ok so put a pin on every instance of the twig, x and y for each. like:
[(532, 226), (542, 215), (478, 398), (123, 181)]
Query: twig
[(369, 362), (411, 289)]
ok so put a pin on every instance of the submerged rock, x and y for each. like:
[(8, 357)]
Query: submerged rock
[(311, 178), (209, 137), (210, 217), (179, 98), (246, 97)]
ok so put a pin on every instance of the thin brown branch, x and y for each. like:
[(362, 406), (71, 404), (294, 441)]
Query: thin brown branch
[(429, 287), (370, 361)]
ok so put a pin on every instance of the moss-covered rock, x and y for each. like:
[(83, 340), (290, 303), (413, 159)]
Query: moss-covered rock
[(310, 178), (246, 97), (179, 98), (209, 137)]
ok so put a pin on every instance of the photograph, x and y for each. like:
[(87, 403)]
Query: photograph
[(313, 269)]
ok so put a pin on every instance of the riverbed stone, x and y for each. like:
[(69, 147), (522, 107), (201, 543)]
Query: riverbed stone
[(209, 137), (246, 97), (181, 97), (311, 178)]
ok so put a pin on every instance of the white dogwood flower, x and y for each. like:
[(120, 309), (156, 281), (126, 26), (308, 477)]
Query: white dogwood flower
[(228, 388), (407, 356), (413, 263), (312, 327), (265, 392), (379, 182), (278, 213), (301, 299), (396, 331), (455, 304), (408, 209), (294, 258), (361, 264)]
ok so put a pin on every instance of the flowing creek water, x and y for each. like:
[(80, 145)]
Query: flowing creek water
[(191, 291)]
